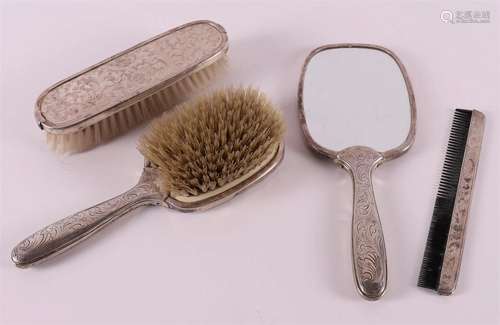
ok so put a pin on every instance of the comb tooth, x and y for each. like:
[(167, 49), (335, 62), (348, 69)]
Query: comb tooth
[(445, 200)]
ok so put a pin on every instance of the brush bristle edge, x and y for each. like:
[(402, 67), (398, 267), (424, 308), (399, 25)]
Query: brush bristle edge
[(134, 115)]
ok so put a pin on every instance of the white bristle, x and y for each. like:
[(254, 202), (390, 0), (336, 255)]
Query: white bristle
[(135, 114)]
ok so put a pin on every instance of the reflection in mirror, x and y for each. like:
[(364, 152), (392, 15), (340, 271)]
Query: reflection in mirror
[(356, 96)]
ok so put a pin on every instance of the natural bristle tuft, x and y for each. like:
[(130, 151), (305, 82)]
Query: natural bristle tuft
[(212, 141), (430, 271), (135, 114)]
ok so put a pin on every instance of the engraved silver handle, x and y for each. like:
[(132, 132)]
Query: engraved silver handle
[(368, 247), (65, 233)]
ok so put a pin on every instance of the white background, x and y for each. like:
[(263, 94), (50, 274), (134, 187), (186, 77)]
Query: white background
[(280, 252)]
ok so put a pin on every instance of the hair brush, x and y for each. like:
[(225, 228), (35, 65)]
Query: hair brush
[(130, 87), (197, 156)]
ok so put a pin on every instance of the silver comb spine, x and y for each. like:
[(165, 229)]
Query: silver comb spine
[(456, 236)]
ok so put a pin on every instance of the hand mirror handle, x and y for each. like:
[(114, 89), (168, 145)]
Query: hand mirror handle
[(363, 96), (368, 245)]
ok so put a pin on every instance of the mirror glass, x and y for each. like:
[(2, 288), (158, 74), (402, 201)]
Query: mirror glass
[(356, 96)]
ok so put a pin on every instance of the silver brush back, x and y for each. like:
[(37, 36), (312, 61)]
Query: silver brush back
[(135, 85)]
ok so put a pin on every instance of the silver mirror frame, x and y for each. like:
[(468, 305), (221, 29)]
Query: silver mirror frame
[(369, 257), (332, 154)]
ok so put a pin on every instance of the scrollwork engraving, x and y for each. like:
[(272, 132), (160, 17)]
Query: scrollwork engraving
[(130, 74), (454, 246), (70, 229), (369, 255)]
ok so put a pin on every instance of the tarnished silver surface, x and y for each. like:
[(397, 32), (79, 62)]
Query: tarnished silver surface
[(129, 77), (368, 246), (456, 236), (65, 233), (389, 154)]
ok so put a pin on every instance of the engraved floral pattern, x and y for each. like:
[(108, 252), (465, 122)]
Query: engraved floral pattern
[(454, 246), (130, 74), (57, 236), (369, 255)]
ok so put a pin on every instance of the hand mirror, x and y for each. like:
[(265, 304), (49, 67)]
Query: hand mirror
[(356, 106)]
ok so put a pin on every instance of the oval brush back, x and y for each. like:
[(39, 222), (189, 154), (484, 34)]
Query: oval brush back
[(135, 85)]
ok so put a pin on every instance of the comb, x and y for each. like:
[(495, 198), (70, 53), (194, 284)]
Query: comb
[(445, 242), (113, 96)]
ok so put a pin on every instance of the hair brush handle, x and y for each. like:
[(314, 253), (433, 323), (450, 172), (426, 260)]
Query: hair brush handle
[(368, 247), (65, 233)]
